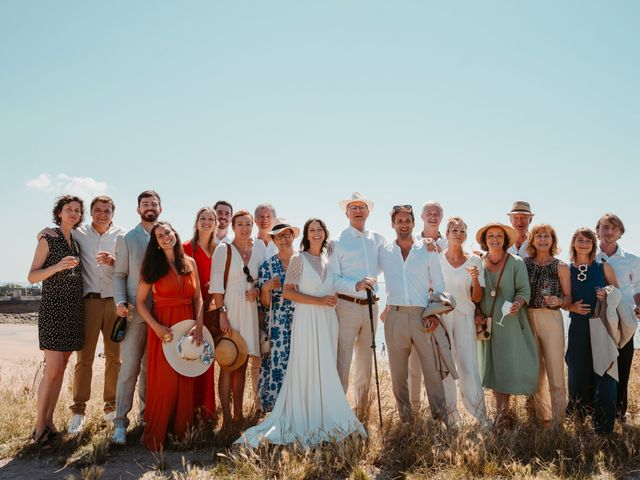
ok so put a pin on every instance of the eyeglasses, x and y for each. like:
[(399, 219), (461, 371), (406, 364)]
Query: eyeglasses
[(287, 236), (353, 208), (245, 270), (405, 208)]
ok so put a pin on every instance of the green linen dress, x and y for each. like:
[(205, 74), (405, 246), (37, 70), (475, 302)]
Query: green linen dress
[(510, 357)]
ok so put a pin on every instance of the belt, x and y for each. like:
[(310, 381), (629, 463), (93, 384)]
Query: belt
[(96, 296), (359, 301), (407, 309)]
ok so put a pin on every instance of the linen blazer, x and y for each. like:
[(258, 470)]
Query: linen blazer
[(130, 250)]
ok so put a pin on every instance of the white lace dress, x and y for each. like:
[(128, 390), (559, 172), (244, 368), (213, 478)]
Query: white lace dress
[(311, 407)]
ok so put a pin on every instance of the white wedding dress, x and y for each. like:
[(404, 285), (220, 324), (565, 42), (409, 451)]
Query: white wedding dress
[(311, 407)]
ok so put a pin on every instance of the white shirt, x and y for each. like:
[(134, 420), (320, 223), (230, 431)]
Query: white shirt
[(96, 278), (228, 238), (408, 281), (442, 243), (520, 252), (626, 266), (265, 251), (354, 255), (458, 282)]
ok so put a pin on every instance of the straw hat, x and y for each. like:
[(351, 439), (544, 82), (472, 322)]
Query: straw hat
[(182, 353), (281, 225), (231, 350), (439, 303), (356, 197), (520, 207), (511, 233)]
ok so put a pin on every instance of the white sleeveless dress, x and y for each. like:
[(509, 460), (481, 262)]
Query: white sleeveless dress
[(311, 407)]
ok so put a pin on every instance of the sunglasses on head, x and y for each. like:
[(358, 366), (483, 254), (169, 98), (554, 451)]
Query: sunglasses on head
[(406, 208), (245, 270)]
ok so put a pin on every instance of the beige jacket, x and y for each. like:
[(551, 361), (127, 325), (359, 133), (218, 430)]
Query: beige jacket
[(613, 325)]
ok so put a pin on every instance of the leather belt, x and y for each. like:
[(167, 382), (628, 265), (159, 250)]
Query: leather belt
[(407, 309), (96, 296), (359, 301)]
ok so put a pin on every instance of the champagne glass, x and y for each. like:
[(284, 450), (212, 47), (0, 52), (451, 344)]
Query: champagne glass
[(76, 257), (545, 291)]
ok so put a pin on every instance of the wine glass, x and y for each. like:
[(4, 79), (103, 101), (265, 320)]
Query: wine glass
[(545, 291), (76, 257)]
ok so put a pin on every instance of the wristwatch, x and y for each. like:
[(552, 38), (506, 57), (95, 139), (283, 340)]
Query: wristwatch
[(223, 309)]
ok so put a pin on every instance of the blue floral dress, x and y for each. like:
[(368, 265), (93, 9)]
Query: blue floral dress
[(278, 329)]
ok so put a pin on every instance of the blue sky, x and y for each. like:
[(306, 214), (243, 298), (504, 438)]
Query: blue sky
[(475, 104)]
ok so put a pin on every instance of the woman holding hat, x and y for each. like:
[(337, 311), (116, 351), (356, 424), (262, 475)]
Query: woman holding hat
[(237, 301), (277, 327), (200, 247), (170, 276), (510, 357), (311, 407), (550, 283)]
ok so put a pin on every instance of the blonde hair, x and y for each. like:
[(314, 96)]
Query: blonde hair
[(455, 221), (536, 229)]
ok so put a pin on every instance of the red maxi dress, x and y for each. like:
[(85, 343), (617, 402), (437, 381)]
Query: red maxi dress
[(204, 393), (169, 405)]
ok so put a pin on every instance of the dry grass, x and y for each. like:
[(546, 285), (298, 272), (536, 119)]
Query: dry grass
[(422, 449)]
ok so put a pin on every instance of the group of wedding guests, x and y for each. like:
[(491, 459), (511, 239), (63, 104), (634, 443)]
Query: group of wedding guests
[(293, 320)]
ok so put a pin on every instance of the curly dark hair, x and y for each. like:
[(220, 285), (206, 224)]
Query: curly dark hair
[(155, 264), (59, 205), (305, 244)]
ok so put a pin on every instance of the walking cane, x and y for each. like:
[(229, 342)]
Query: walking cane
[(375, 357)]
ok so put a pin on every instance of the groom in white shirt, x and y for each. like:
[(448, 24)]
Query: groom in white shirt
[(410, 270), (354, 265)]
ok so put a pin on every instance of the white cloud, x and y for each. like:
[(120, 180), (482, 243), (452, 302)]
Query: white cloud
[(84, 187)]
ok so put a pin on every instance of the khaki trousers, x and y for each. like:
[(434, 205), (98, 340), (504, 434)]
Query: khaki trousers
[(99, 316), (354, 339), (548, 330), (133, 350), (404, 333)]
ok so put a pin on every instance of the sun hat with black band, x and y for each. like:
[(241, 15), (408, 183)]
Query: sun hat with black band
[(281, 225), (231, 351), (521, 207)]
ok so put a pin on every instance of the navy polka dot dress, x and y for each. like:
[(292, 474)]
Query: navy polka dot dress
[(61, 320)]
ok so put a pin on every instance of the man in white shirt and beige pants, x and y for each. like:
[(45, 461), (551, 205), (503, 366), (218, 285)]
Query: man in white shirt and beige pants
[(410, 270), (354, 265)]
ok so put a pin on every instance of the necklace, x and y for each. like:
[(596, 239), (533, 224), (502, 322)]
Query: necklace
[(245, 254), (582, 272)]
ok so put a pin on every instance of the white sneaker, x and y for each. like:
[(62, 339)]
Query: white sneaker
[(120, 436), (75, 426), (108, 417)]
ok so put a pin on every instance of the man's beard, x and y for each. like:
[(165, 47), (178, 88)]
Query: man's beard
[(150, 216)]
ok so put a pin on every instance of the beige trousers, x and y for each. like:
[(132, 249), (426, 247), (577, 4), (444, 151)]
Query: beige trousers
[(99, 316), (354, 342), (404, 333), (548, 330)]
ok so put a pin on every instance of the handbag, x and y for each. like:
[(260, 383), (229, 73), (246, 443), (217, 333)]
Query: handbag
[(265, 339), (483, 331), (211, 314)]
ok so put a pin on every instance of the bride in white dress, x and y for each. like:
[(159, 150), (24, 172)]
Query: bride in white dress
[(311, 407)]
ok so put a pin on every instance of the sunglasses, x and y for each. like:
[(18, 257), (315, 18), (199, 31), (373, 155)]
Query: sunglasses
[(405, 208), (245, 270)]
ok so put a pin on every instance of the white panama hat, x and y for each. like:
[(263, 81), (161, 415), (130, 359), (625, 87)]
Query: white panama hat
[(355, 197)]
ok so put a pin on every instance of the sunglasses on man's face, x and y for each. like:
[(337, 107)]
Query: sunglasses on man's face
[(246, 271)]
